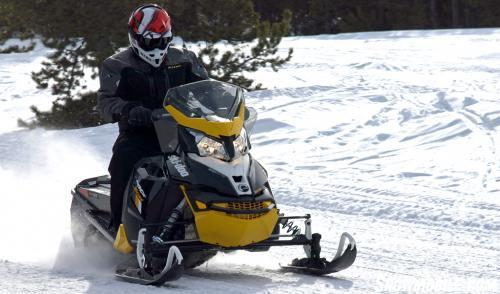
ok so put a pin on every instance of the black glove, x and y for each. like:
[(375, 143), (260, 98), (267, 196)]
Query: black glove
[(140, 116)]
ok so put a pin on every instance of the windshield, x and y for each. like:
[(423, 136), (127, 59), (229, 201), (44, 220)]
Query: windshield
[(212, 100)]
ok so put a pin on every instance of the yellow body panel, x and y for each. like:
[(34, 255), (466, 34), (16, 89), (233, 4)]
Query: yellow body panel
[(222, 229), (211, 128), (226, 230), (121, 242)]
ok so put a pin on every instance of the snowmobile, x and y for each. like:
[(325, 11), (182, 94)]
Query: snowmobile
[(203, 193)]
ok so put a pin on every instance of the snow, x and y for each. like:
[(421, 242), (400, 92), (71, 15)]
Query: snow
[(391, 136), (17, 90)]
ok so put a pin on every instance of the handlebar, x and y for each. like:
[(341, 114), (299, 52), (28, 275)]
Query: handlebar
[(158, 114)]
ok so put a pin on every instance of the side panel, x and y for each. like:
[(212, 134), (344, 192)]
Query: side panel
[(145, 185), (98, 197), (257, 176)]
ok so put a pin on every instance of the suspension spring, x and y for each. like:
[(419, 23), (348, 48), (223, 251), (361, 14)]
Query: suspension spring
[(167, 228), (290, 226)]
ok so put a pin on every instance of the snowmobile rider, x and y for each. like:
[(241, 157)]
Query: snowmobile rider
[(133, 83)]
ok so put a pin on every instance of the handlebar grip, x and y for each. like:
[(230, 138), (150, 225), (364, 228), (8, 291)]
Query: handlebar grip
[(158, 114)]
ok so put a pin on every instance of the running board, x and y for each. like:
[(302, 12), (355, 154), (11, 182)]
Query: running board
[(99, 226)]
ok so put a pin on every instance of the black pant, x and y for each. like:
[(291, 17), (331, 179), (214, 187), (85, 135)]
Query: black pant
[(129, 148)]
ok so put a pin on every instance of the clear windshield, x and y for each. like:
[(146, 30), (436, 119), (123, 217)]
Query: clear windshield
[(212, 100)]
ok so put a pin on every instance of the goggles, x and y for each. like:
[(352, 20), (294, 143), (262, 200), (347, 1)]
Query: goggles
[(148, 43)]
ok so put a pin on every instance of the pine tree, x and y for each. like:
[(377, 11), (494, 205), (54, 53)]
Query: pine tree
[(231, 65), (84, 33), (323, 12)]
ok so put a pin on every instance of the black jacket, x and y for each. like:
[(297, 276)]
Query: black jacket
[(127, 81)]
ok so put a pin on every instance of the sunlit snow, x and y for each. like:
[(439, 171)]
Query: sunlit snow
[(391, 136)]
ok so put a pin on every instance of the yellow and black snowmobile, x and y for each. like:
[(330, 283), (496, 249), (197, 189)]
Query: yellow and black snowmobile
[(203, 194)]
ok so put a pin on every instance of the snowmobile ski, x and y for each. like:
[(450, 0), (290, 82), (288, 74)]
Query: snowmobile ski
[(320, 266), (141, 276), (172, 271)]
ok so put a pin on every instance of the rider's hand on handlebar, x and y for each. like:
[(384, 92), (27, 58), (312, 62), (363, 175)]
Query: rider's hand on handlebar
[(140, 116)]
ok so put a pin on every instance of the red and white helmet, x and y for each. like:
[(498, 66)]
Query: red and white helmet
[(150, 33)]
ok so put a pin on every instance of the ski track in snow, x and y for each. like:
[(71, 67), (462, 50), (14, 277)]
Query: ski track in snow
[(391, 136)]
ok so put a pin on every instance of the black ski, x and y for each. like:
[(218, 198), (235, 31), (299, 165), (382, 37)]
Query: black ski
[(140, 276), (320, 266), (151, 275)]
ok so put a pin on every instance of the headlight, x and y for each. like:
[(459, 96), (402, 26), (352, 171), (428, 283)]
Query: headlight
[(209, 147), (240, 144)]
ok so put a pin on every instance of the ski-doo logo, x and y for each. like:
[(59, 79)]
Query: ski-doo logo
[(243, 188), (179, 166)]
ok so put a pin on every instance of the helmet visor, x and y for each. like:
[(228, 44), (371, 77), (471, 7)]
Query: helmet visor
[(148, 44)]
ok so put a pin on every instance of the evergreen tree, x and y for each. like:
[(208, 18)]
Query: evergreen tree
[(231, 65), (273, 11), (84, 33), (480, 13), (324, 13)]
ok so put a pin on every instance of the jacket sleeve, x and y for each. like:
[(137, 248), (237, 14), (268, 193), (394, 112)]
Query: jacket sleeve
[(110, 106), (198, 71)]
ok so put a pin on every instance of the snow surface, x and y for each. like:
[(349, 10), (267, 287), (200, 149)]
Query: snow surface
[(391, 136)]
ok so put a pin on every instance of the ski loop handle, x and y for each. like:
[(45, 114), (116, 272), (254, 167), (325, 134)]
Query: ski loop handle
[(343, 238)]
